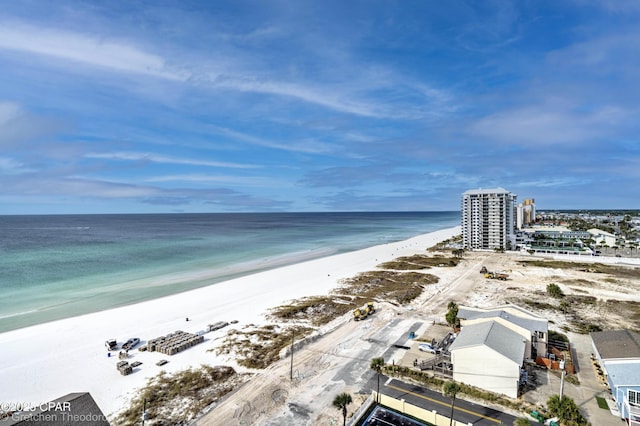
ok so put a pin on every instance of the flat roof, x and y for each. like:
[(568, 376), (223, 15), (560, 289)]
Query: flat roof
[(612, 344), (486, 191)]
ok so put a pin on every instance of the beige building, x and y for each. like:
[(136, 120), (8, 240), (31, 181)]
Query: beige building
[(488, 217), (526, 213)]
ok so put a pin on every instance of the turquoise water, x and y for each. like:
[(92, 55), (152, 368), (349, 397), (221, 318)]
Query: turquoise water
[(55, 267)]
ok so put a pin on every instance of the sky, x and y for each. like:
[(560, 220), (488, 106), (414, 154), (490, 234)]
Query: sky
[(266, 106)]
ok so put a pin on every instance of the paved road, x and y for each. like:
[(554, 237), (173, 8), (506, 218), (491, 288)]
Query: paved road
[(465, 411)]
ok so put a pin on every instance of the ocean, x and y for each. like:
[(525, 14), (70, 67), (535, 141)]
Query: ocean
[(59, 266)]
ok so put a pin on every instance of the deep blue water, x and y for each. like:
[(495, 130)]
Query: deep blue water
[(59, 266)]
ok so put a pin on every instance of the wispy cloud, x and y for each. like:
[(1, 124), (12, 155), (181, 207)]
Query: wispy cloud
[(156, 158), (308, 146), (88, 189), (252, 181), (544, 125), (11, 166), (84, 48), (18, 126), (326, 97), (317, 105)]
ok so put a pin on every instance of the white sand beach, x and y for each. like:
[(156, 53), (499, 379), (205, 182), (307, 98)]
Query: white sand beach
[(46, 361)]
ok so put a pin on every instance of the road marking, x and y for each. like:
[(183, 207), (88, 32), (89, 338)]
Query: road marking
[(445, 404)]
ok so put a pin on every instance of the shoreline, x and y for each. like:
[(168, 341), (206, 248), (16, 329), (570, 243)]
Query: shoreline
[(123, 263), (48, 360)]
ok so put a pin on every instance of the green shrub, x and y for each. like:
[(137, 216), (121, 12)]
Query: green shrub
[(554, 290)]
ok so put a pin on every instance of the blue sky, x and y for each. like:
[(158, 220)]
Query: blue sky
[(194, 106)]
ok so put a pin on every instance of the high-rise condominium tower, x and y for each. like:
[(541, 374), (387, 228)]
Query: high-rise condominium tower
[(488, 219)]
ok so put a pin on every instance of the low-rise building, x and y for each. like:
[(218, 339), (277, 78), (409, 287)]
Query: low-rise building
[(618, 353), (603, 237), (532, 328), (490, 356), (493, 344), (550, 241)]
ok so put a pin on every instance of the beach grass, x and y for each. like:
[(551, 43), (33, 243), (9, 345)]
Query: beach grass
[(258, 347), (177, 398), (317, 310), (449, 243), (395, 287), (419, 261)]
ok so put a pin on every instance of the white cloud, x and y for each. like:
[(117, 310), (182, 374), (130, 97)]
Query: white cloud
[(325, 97), (10, 166), (307, 147), (18, 126), (230, 73), (155, 158), (9, 111), (253, 181), (83, 48), (543, 125)]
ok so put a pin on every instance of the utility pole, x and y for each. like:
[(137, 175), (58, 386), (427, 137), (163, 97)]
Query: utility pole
[(562, 374), (292, 337)]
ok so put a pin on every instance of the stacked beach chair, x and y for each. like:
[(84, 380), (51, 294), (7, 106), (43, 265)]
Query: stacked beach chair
[(124, 368), (173, 343)]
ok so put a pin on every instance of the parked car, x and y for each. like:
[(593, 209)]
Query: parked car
[(131, 343), (426, 347), (111, 345)]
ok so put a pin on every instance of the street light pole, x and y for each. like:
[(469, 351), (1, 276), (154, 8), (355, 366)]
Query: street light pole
[(562, 374)]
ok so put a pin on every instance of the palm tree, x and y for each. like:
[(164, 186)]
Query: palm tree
[(603, 245), (459, 253), (554, 404), (340, 402), (450, 389), (452, 314), (566, 410), (522, 421), (376, 365)]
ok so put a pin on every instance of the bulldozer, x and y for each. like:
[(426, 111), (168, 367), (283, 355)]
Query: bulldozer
[(358, 314)]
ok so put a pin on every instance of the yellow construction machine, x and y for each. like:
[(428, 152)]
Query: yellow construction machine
[(496, 276), (358, 315), (364, 312)]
